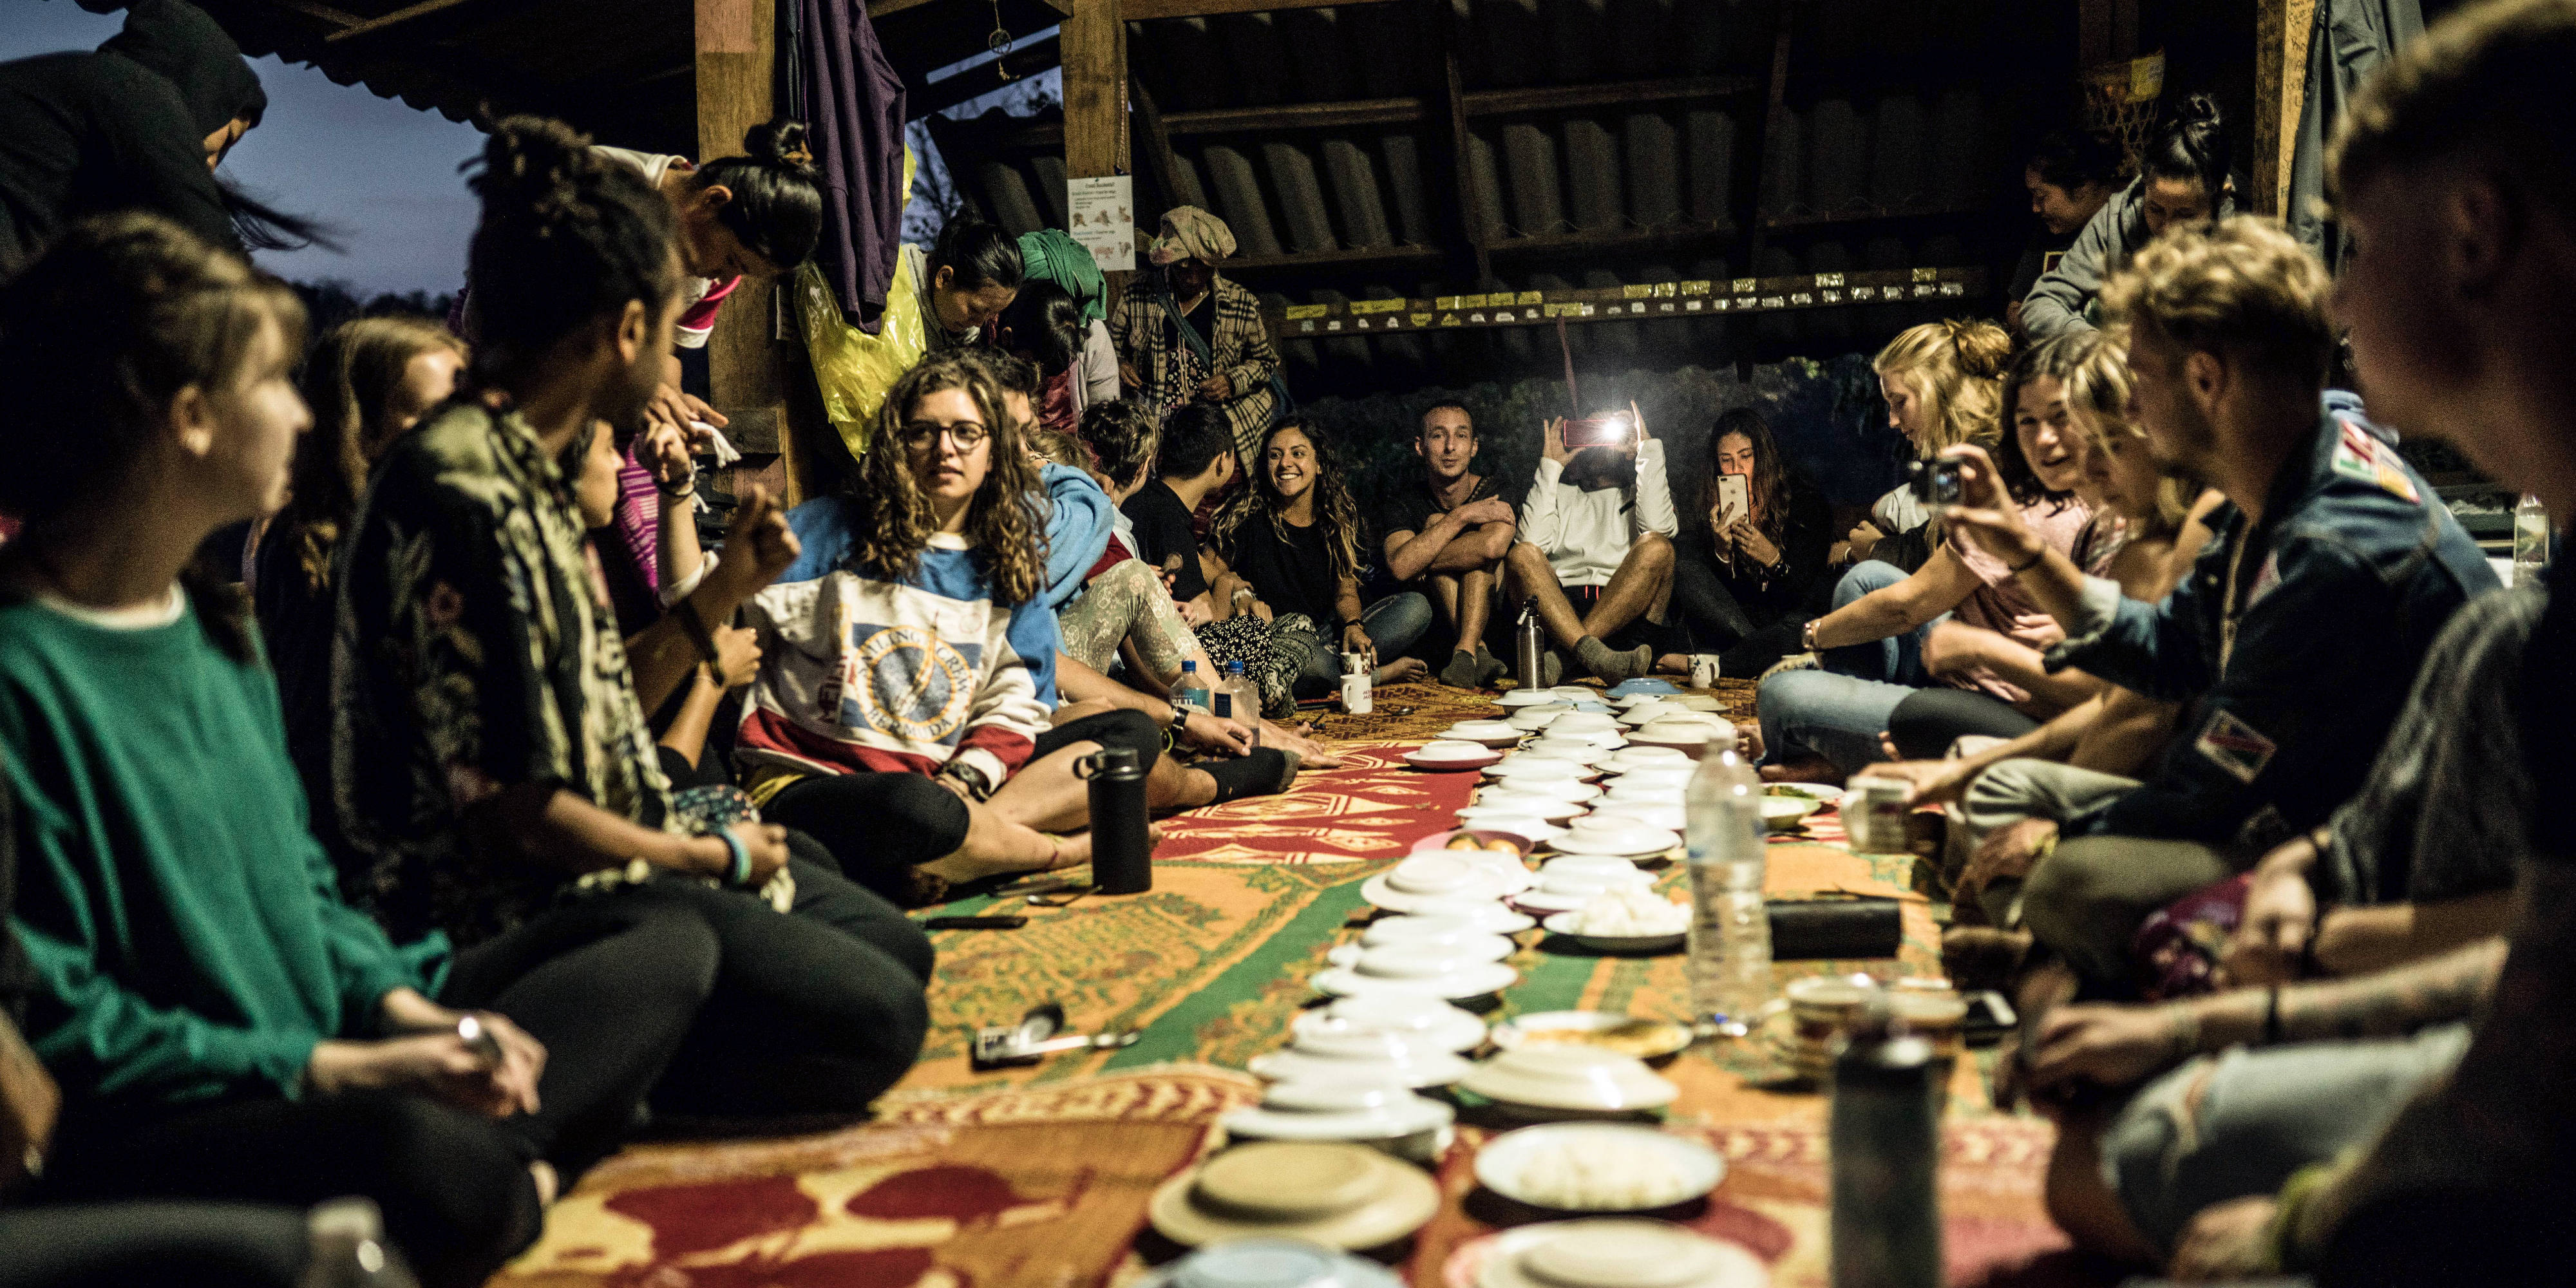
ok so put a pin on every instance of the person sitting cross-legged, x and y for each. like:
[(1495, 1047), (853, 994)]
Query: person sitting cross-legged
[(1596, 548), (1447, 533)]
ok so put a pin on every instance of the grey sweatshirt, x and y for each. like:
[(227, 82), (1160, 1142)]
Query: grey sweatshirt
[(2062, 299)]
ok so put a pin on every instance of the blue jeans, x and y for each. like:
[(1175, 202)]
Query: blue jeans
[(1839, 711), (1393, 624)]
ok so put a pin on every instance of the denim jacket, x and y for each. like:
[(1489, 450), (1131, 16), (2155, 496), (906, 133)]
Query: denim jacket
[(2338, 593)]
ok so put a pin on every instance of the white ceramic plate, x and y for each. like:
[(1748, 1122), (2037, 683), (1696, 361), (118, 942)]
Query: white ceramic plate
[(1574, 1079), (1421, 1068), (1640, 757), (1325, 1111), (1474, 946), (1452, 764), (1563, 923), (1784, 813), (1430, 1021), (1528, 697), (1563, 789), (1505, 1164), (1489, 913), (1539, 768), (1602, 1252), (1531, 719), (1487, 733), (1665, 815), (1549, 901), (1474, 981), (1646, 712), (1665, 1037), (1625, 840), (1525, 818)]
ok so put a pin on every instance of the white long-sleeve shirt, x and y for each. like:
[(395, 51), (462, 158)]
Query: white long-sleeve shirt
[(1586, 534)]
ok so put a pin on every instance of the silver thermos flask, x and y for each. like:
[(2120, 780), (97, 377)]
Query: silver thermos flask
[(1885, 1143), (1528, 641)]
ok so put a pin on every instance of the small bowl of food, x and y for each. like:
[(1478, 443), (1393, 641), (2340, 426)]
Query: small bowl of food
[(1598, 1167), (1625, 920), (1625, 1034)]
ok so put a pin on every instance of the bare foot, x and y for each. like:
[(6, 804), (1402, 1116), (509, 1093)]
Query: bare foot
[(1673, 664), (1399, 671)]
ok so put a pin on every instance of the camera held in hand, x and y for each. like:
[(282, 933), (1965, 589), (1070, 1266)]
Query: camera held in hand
[(1611, 430), (1936, 483)]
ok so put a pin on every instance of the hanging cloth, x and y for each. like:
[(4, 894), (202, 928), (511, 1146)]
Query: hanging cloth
[(856, 105), (2349, 42)]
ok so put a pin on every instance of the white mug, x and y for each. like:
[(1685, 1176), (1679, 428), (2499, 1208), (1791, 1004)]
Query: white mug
[(1703, 673)]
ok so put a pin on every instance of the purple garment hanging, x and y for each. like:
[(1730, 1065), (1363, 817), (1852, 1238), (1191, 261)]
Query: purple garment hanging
[(854, 104)]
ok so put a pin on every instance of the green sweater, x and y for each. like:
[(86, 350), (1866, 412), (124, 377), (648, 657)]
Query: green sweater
[(187, 939)]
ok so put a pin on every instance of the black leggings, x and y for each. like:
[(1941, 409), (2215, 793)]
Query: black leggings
[(1714, 618), (815, 1012), (152, 1245), (1929, 720), (879, 826), (454, 1187)]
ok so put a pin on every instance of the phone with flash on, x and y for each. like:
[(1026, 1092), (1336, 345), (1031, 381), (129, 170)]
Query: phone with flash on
[(1734, 497), (1611, 430)]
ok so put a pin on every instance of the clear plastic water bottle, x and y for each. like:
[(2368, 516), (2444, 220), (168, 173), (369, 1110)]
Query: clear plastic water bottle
[(1192, 691), (1729, 965), (347, 1238), (1239, 699), (2530, 539)]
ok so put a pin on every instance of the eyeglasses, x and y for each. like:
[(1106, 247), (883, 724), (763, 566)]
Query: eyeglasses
[(966, 434)]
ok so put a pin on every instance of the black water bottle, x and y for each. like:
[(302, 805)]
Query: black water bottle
[(1122, 858)]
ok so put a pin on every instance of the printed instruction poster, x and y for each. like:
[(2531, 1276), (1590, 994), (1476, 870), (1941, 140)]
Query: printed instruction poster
[(1104, 220)]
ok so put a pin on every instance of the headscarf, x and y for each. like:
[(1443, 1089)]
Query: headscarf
[(1191, 233), (1053, 254), (185, 47)]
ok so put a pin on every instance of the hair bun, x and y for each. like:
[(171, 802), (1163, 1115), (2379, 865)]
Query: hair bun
[(534, 164), (2197, 109), (1985, 349), (779, 142)]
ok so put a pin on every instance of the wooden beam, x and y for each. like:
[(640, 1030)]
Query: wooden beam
[(940, 95), (323, 12), (2281, 30), (1095, 99), (736, 87), (1331, 260), (1365, 112), (1146, 10)]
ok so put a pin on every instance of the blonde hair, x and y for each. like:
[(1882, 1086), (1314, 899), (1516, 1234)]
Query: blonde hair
[(349, 382), (1957, 368), (2241, 287), (2097, 393)]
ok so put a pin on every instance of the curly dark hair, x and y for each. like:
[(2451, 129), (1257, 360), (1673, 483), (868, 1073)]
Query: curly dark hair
[(893, 520), (1338, 514), (1123, 434), (2055, 360)]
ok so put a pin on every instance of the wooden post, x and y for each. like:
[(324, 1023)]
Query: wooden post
[(1468, 260), (2281, 30), (1095, 99), (735, 53)]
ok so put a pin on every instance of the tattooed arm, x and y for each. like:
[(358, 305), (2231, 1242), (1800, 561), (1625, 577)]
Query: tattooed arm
[(2120, 1046), (2490, 1122)]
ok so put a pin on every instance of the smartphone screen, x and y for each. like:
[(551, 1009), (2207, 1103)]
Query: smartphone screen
[(1734, 496), (1600, 431)]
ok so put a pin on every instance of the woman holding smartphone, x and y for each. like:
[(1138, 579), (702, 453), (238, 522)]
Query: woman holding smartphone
[(1752, 562)]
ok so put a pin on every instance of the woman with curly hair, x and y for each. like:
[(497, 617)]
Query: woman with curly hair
[(1286, 551), (908, 658)]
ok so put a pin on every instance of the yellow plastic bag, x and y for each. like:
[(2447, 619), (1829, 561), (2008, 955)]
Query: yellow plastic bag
[(855, 369)]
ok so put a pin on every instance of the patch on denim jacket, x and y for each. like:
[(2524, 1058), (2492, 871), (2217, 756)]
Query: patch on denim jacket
[(2358, 455), (2235, 746)]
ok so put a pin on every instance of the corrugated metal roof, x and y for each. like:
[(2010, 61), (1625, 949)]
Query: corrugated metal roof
[(1607, 142)]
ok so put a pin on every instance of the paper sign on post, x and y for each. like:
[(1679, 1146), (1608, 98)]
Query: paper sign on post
[(1104, 220)]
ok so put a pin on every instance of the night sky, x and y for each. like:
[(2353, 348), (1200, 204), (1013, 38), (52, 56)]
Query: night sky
[(384, 174)]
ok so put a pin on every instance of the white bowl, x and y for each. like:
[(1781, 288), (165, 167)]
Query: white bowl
[(1378, 1059), (1600, 866), (1528, 698), (1486, 733), (1581, 885), (1784, 813), (1489, 913), (1645, 712), (1428, 1021), (1427, 878), (1445, 933), (1627, 700), (1468, 946), (1551, 747), (1524, 818), (1585, 722), (1468, 981), (1548, 809), (1614, 836), (1564, 923), (1563, 789), (1416, 961), (1452, 749), (1531, 719), (1657, 790), (1633, 756), (1665, 814), (1690, 737), (1515, 1165), (1337, 1111), (1606, 1253), (1576, 693), (1530, 764), (1583, 1079)]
